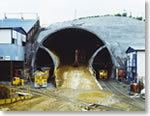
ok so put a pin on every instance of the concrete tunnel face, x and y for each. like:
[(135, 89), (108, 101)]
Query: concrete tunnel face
[(64, 43)]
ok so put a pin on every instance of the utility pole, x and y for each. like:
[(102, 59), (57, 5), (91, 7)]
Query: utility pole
[(11, 70)]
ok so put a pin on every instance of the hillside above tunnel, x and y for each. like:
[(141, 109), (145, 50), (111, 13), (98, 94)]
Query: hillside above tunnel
[(116, 33)]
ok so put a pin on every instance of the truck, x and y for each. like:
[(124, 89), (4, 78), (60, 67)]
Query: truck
[(40, 79), (103, 74)]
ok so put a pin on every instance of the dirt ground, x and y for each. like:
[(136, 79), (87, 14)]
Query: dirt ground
[(70, 100), (77, 90), (67, 100), (75, 78), (41, 103)]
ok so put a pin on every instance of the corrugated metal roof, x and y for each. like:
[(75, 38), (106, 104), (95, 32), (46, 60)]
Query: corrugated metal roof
[(18, 29), (26, 24)]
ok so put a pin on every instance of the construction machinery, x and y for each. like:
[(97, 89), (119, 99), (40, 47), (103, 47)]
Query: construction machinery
[(17, 81), (40, 79), (103, 74)]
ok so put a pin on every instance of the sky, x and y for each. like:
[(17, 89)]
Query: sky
[(51, 11)]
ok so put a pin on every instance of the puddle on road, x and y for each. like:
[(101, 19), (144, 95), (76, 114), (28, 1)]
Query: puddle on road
[(96, 97), (89, 96)]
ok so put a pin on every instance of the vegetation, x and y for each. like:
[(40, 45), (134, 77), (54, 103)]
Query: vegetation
[(139, 18), (89, 17), (130, 16), (118, 14), (124, 14)]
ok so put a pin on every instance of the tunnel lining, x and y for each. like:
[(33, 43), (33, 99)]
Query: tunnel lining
[(84, 41), (103, 61), (51, 36), (46, 61)]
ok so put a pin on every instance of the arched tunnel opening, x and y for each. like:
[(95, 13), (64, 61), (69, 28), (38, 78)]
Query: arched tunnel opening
[(64, 44), (103, 61), (44, 61)]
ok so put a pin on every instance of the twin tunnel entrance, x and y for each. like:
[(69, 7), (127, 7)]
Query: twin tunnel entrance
[(69, 43)]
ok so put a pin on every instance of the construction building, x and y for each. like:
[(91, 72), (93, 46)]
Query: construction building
[(14, 33), (136, 64)]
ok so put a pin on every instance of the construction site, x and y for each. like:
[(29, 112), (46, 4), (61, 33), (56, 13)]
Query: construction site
[(88, 64)]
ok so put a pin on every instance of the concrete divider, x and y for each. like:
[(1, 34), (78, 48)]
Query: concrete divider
[(12, 100)]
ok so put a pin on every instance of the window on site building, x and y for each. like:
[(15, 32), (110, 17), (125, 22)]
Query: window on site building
[(23, 38), (14, 37), (19, 39), (14, 41), (134, 60), (23, 43), (128, 60)]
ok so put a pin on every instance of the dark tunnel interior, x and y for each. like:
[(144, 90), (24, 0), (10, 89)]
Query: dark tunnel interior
[(103, 61), (65, 42), (44, 60)]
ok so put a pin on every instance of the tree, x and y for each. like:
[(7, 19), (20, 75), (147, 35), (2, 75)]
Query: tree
[(118, 14), (139, 18), (124, 14)]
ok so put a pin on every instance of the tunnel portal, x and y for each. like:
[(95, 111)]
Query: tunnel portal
[(43, 60), (103, 61), (65, 42)]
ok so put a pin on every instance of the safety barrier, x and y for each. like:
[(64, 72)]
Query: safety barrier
[(12, 100)]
